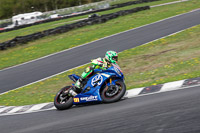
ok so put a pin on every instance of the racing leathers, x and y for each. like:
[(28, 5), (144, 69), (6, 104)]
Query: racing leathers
[(99, 63)]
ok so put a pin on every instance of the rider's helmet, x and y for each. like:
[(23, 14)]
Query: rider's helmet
[(111, 57)]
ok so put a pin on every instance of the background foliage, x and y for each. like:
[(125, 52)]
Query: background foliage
[(8, 8)]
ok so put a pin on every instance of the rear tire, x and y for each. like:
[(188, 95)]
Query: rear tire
[(113, 96), (63, 102)]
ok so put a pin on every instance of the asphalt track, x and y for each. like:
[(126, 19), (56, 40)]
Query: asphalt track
[(167, 112), (24, 74)]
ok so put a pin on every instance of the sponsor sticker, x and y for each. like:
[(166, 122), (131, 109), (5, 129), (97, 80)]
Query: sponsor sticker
[(117, 70), (90, 98), (98, 79), (76, 100)]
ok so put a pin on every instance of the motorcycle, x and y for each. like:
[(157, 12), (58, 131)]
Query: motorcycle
[(105, 86)]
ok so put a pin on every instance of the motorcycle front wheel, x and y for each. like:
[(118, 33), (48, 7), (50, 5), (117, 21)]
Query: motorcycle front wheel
[(62, 101), (114, 93)]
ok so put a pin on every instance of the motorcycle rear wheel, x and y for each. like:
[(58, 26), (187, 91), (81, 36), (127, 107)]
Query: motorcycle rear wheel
[(63, 102), (109, 96)]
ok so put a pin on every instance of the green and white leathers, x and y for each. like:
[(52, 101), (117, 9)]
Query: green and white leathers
[(99, 63)]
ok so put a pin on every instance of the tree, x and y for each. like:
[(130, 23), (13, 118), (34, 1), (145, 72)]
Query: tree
[(6, 8)]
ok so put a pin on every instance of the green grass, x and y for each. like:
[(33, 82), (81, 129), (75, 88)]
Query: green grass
[(5, 36), (175, 57), (41, 27), (56, 43)]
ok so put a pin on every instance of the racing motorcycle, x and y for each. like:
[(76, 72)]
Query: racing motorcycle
[(105, 86)]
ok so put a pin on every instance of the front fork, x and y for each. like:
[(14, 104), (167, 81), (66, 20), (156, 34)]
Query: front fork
[(111, 84), (110, 81), (111, 88)]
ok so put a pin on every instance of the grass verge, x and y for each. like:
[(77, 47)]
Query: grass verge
[(172, 58), (56, 43), (41, 27)]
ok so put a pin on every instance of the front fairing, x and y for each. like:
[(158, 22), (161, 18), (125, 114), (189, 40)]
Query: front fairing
[(91, 91)]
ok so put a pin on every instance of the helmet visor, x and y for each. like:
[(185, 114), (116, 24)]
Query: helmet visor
[(115, 58)]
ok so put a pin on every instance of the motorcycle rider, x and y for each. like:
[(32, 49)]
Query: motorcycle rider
[(99, 63)]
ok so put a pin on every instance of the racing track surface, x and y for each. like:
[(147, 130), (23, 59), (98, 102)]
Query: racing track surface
[(168, 112), (28, 73)]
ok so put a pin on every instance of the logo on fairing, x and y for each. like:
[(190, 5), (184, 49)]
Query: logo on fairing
[(117, 70), (90, 98), (98, 79), (76, 100)]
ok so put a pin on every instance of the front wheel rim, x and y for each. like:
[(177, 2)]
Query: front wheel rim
[(112, 93)]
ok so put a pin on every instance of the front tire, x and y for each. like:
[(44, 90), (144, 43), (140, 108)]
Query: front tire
[(114, 94), (63, 102)]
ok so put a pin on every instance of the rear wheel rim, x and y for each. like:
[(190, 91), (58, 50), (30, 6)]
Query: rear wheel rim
[(62, 99)]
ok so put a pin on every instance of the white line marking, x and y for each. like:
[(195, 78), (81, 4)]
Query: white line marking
[(86, 63), (52, 108), (133, 92), (100, 39), (43, 79), (15, 109), (174, 2), (6, 114), (97, 40), (137, 91), (37, 107), (89, 43), (180, 88), (5, 108), (172, 85)]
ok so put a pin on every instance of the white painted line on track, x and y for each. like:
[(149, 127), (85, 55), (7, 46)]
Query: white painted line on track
[(132, 93), (43, 79), (37, 107), (27, 112), (98, 40), (174, 89), (172, 85), (174, 2), (95, 41), (15, 109), (5, 108)]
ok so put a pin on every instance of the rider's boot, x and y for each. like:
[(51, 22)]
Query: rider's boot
[(78, 83)]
